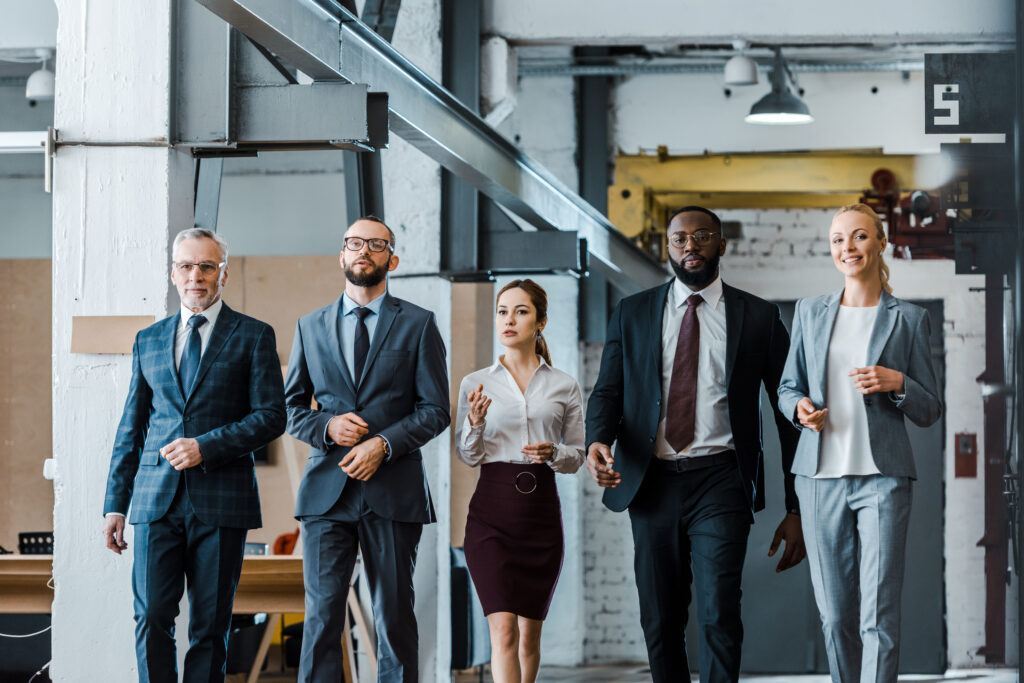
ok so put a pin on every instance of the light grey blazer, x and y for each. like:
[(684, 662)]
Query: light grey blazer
[(899, 341)]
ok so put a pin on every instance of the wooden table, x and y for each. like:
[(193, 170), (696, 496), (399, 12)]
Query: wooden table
[(269, 583)]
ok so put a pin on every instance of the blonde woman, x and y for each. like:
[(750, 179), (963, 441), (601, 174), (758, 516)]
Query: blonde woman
[(858, 366), (521, 421)]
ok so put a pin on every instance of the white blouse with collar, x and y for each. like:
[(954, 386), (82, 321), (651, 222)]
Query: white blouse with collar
[(551, 409)]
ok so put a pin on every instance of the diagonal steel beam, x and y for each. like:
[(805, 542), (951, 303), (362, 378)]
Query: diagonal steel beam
[(430, 118)]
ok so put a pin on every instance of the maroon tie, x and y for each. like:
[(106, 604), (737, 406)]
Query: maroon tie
[(682, 389)]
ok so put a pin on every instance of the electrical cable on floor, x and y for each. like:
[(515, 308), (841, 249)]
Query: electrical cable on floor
[(45, 667), (26, 635)]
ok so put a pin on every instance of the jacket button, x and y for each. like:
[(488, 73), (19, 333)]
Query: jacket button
[(188, 418), (359, 407), (867, 401), (652, 439)]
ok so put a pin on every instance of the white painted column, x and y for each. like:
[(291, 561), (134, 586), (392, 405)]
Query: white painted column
[(412, 207), (115, 209)]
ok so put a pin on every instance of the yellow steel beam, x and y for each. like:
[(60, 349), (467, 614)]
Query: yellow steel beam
[(798, 172), (755, 200)]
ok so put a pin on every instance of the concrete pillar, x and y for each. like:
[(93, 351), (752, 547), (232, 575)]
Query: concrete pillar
[(115, 209)]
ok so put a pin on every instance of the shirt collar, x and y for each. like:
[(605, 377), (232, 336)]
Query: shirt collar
[(347, 305), (711, 294), (498, 367), (211, 313)]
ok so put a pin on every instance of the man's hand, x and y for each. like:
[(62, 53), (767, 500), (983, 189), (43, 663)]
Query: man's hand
[(875, 379), (599, 464), (809, 416), (364, 459), (790, 532), (347, 429), (113, 533), (539, 452), (182, 453)]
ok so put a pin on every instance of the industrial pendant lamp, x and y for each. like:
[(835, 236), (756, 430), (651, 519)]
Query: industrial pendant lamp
[(780, 107)]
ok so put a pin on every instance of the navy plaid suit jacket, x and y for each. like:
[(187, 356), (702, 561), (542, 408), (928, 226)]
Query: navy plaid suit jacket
[(236, 405)]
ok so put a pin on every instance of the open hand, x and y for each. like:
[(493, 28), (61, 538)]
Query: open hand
[(478, 404), (809, 416)]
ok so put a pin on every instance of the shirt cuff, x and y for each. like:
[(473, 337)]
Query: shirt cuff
[(897, 397), (113, 514)]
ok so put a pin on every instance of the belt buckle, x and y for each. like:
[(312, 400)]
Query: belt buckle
[(529, 474)]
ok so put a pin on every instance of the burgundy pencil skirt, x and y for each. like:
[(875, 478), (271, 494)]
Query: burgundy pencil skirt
[(514, 542)]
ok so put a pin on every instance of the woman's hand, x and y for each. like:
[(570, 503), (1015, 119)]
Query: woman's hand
[(539, 452), (876, 379), (478, 404), (809, 416)]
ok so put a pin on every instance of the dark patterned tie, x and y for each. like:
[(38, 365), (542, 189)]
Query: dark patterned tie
[(682, 389), (190, 355), (362, 345)]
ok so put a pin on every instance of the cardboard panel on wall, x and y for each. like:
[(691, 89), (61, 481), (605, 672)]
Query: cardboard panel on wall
[(26, 499)]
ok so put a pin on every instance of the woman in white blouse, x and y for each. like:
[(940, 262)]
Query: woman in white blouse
[(859, 364), (521, 420)]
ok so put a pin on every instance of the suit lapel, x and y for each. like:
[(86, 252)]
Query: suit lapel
[(734, 312), (824, 321), (332, 323), (885, 320), (388, 312), (656, 314), (170, 337), (227, 320)]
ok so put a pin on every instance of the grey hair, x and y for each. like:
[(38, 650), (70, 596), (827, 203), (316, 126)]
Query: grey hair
[(199, 233)]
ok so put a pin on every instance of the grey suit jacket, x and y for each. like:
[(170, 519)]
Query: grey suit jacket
[(899, 341), (403, 396)]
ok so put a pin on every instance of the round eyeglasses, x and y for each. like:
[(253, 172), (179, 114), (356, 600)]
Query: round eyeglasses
[(700, 237)]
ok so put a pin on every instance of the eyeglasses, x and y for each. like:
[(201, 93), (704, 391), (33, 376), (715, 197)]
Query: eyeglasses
[(376, 244), (206, 267), (680, 238)]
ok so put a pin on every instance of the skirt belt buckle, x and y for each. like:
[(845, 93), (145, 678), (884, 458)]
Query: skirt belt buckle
[(532, 476)]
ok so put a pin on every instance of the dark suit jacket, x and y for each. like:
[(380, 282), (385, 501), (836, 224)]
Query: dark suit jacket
[(625, 405), (236, 406), (403, 396), (899, 341)]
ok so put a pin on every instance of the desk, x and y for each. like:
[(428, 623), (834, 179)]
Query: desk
[(269, 583), (23, 584)]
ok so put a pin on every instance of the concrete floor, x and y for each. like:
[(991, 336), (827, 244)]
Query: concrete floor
[(635, 673)]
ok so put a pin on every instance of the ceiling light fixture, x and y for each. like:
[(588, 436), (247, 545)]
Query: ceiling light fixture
[(740, 70), (40, 83), (780, 107)]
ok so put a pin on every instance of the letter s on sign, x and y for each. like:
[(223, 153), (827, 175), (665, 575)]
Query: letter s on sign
[(951, 105)]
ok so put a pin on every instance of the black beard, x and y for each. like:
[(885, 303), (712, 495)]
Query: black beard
[(700, 278), (368, 278)]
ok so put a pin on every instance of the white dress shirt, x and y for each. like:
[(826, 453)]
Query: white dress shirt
[(205, 331), (712, 432), (551, 409), (845, 448)]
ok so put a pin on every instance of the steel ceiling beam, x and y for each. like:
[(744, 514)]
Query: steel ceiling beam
[(307, 34)]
